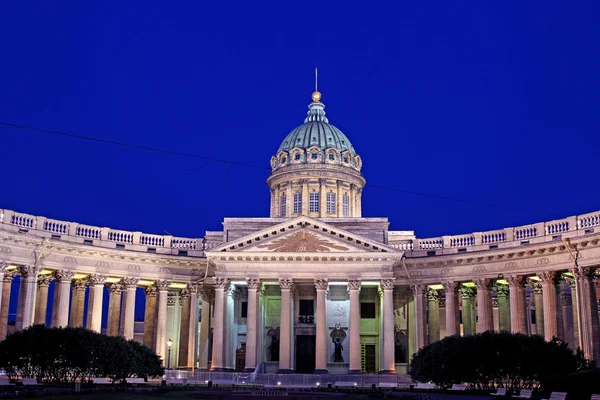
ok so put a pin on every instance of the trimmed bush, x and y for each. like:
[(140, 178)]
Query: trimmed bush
[(494, 359), (68, 354)]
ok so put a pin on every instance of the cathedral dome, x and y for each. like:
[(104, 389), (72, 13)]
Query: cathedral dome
[(316, 141)]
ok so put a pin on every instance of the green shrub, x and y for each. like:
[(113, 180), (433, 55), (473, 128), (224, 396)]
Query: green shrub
[(494, 359), (68, 354)]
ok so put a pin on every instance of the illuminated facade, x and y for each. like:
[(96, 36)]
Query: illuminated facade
[(313, 288)]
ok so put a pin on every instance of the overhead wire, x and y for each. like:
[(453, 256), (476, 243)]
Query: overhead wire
[(228, 163)]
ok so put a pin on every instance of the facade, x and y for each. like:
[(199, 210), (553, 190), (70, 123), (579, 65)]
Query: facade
[(315, 287)]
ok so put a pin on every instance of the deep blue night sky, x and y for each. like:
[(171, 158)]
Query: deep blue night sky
[(492, 102)]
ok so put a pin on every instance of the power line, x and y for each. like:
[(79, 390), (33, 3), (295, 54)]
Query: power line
[(129, 145), (165, 152)]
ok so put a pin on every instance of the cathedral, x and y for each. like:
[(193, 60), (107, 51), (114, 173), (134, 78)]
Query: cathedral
[(314, 288)]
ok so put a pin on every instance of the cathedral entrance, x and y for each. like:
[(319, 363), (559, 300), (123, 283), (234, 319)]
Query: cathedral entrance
[(305, 354)]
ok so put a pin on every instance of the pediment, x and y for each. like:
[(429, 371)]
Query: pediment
[(303, 235)]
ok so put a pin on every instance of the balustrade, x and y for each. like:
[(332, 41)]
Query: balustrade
[(462, 241), (493, 237)]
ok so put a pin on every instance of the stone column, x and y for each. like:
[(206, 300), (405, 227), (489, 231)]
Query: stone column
[(3, 266), (354, 287), (41, 303), (77, 302), (95, 298), (503, 307), (285, 357), (162, 288), (192, 325), (549, 300), (588, 311), (420, 315), (321, 353), (450, 289), (468, 316), (305, 200), (254, 285), (538, 301), (114, 309), (4, 306), (433, 316), (576, 330), (323, 197), (221, 285), (558, 290), (184, 332), (26, 303), (207, 296), (128, 317), (150, 316), (483, 303), (517, 304), (389, 332), (62, 289)]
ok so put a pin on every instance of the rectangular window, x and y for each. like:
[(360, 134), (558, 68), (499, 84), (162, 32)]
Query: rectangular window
[(297, 203), (307, 307), (367, 310), (283, 205), (244, 310), (330, 203), (346, 205), (314, 202)]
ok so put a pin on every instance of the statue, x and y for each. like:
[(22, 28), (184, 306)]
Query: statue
[(274, 349), (337, 355)]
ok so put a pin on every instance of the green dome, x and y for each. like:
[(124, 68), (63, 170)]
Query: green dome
[(316, 131)]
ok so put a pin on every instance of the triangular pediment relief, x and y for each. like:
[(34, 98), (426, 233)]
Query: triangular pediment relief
[(303, 235)]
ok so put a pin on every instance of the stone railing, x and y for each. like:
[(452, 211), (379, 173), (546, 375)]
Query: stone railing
[(164, 244), (509, 237), (104, 237)]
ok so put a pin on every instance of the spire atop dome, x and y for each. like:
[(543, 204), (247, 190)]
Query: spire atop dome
[(316, 96)]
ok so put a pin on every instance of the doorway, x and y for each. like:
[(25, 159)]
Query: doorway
[(370, 359), (305, 354)]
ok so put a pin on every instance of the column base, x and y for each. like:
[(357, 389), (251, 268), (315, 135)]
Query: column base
[(354, 372), (219, 369), (320, 372), (286, 371), (249, 369), (387, 372)]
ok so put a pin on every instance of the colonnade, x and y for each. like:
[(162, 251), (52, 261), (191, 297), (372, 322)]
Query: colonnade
[(224, 286), (565, 304), (69, 306)]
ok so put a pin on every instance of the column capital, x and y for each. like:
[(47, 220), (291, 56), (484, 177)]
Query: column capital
[(220, 282), (483, 283), (388, 283), (28, 271), (501, 290), (254, 283), (450, 286), (537, 288), (432, 295), (96, 279), (515, 280), (547, 276), (207, 293), (286, 283), (184, 293), (62, 275), (44, 280), (9, 276), (129, 282), (419, 289), (79, 285), (192, 288), (354, 284), (150, 291), (162, 285), (3, 265), (115, 288), (321, 283), (466, 292)]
